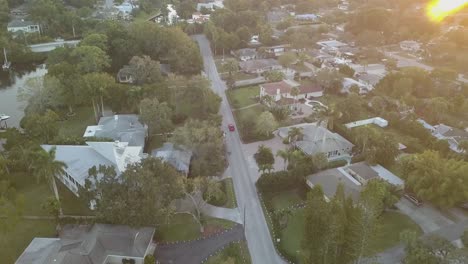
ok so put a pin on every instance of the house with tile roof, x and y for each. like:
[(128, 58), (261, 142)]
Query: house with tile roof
[(122, 128), (280, 92)]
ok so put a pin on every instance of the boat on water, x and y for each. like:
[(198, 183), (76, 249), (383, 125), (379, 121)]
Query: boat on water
[(4, 117), (6, 64)]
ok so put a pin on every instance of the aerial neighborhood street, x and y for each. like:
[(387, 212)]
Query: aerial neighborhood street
[(234, 132)]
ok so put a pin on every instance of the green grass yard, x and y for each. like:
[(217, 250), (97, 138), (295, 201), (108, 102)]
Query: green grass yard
[(285, 199), (243, 97), (391, 224), (71, 205), (236, 253), (182, 227), (15, 241), (388, 235), (231, 196), (292, 236), (75, 126)]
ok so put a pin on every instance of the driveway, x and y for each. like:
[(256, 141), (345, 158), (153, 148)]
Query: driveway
[(275, 144), (197, 251), (426, 216), (258, 236)]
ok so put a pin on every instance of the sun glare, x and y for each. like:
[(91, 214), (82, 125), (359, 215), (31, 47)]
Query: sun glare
[(439, 9)]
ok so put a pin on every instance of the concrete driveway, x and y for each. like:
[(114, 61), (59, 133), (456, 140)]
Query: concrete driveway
[(275, 144), (426, 216)]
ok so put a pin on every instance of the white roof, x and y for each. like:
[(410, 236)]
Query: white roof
[(80, 159), (388, 176), (332, 43)]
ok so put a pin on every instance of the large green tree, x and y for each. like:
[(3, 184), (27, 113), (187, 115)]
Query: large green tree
[(140, 196), (264, 158), (443, 182), (205, 139), (156, 115)]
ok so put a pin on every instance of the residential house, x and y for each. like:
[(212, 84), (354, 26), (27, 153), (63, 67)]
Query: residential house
[(178, 156), (454, 136), (126, 7), (329, 181), (364, 172), (348, 83), (210, 5), (331, 44), (378, 121), (276, 51), (410, 45), (317, 139), (199, 18), (99, 244), (371, 80), (260, 66), (255, 41), (126, 75), (353, 177), (122, 128), (80, 158), (280, 92), (21, 25), (245, 54), (307, 17)]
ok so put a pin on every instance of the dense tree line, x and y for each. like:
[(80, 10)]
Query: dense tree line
[(441, 181)]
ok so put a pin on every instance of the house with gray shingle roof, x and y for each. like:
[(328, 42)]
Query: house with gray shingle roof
[(99, 244), (317, 139), (178, 156), (122, 128), (21, 25)]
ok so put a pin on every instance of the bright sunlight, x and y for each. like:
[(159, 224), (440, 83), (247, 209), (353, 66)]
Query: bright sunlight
[(439, 9)]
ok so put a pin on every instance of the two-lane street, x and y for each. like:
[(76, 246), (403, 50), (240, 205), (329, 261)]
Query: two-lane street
[(257, 233)]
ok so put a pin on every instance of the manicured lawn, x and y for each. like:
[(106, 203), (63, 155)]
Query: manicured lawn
[(388, 235), (230, 195), (248, 133), (242, 97), (75, 126), (13, 243), (236, 253), (292, 235), (285, 199), (391, 224), (182, 227), (71, 205), (35, 193)]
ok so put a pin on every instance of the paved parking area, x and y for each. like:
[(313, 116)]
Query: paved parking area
[(275, 144), (426, 216)]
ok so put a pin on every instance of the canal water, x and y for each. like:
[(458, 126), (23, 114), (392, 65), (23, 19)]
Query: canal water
[(10, 82)]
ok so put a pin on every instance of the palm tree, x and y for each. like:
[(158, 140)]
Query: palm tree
[(284, 155), (329, 115), (294, 134), (48, 168), (295, 92)]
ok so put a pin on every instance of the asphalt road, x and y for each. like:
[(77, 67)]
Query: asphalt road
[(256, 230)]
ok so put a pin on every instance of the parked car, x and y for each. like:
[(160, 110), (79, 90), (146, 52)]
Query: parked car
[(231, 127), (413, 199)]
